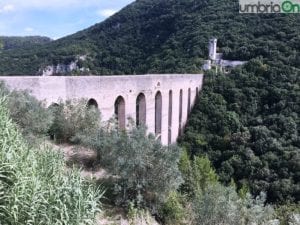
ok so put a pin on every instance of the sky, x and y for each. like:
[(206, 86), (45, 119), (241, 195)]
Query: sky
[(54, 18)]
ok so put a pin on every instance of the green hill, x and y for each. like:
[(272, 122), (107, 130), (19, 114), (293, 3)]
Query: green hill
[(9, 43), (163, 36)]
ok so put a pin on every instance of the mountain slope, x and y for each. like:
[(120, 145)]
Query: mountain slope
[(8, 43), (165, 36)]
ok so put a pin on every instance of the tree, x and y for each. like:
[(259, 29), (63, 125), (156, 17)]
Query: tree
[(222, 205), (147, 171), (27, 112), (73, 118)]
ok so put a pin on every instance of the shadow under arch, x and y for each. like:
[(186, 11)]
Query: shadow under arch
[(158, 113), (120, 112), (92, 103), (141, 110)]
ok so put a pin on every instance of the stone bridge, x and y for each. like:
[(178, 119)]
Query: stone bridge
[(162, 102)]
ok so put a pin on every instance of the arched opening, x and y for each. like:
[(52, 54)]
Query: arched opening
[(141, 110), (189, 101), (180, 112), (197, 92), (170, 117), (92, 103), (120, 112), (53, 106), (158, 113), (54, 109)]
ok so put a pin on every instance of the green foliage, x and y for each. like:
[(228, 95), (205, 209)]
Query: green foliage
[(173, 210), (140, 216), (34, 186), (198, 174), (247, 123), (213, 203), (285, 212), (137, 160), (9, 43), (166, 36), (222, 205), (202, 174), (72, 118), (27, 112)]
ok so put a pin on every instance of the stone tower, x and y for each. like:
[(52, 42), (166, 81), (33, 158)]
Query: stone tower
[(212, 48)]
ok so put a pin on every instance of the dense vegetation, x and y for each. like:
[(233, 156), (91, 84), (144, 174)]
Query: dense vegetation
[(187, 192), (161, 36), (35, 188), (248, 124), (8, 43)]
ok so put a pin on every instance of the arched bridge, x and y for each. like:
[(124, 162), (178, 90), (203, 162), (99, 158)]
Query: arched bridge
[(162, 102)]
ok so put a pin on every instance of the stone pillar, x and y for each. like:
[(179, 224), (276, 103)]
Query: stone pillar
[(175, 119), (165, 116)]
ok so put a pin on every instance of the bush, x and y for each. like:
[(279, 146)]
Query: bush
[(285, 213), (27, 112), (222, 205), (72, 118), (35, 188), (173, 209), (140, 216), (197, 173), (146, 170)]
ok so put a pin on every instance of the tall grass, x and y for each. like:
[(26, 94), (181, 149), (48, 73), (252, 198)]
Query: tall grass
[(35, 188)]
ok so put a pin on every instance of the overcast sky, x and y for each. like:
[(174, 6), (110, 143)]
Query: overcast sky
[(53, 18)]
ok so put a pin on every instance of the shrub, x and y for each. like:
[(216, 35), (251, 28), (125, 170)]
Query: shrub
[(35, 188), (222, 205), (197, 173), (173, 209), (140, 216), (27, 112), (147, 171), (285, 213), (72, 118)]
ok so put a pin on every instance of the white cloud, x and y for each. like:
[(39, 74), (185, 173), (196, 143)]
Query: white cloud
[(29, 29), (7, 8), (106, 12)]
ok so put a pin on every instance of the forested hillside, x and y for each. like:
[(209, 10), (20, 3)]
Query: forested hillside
[(161, 36), (248, 124), (8, 43)]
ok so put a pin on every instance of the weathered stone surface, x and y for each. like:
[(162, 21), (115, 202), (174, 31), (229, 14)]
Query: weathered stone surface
[(106, 89)]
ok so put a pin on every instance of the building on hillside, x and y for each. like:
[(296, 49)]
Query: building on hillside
[(216, 59)]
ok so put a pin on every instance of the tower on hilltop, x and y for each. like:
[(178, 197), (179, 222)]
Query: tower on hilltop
[(212, 49)]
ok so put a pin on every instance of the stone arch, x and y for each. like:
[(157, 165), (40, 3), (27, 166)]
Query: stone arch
[(54, 108), (92, 103), (189, 101), (141, 110), (180, 111), (170, 117), (120, 112), (158, 113), (53, 105)]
